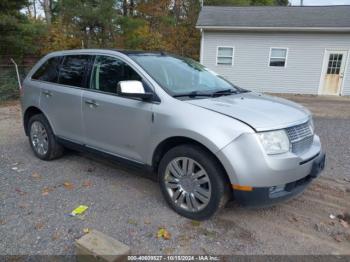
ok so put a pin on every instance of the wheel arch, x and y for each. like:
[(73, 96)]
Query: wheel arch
[(172, 142), (29, 112)]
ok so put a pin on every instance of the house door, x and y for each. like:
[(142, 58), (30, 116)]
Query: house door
[(333, 72)]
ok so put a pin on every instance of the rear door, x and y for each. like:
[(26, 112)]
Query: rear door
[(62, 101), (114, 124)]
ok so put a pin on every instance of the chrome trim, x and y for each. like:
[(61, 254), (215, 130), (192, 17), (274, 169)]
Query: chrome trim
[(284, 126), (301, 137)]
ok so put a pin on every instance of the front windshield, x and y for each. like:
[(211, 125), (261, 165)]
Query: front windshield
[(178, 75)]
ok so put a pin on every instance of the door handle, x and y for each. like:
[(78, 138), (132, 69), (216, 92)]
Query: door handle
[(47, 93), (91, 103)]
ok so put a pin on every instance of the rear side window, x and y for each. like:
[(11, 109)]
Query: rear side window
[(72, 70), (108, 71), (48, 71)]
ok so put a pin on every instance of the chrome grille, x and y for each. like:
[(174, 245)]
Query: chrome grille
[(301, 137)]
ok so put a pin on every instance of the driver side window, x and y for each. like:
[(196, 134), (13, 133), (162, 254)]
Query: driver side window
[(108, 71)]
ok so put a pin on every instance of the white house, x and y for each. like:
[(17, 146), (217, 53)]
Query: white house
[(303, 50)]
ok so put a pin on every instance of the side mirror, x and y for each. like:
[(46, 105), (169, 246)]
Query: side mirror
[(134, 89)]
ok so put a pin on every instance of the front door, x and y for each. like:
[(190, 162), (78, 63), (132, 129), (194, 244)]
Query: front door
[(114, 124), (333, 72)]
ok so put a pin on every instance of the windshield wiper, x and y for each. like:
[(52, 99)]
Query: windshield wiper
[(193, 94), (229, 92), (225, 92)]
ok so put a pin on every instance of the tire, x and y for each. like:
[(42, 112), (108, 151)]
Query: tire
[(52, 148), (182, 195)]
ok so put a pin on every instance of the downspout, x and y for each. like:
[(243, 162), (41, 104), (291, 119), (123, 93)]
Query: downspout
[(201, 47)]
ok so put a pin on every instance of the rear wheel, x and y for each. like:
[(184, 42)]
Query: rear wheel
[(193, 182), (42, 140)]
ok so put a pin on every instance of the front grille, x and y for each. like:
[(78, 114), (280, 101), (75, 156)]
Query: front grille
[(301, 137)]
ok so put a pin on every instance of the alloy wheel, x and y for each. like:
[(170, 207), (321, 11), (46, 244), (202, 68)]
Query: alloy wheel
[(39, 138), (187, 184)]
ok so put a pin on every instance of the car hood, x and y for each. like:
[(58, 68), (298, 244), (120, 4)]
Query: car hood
[(262, 112)]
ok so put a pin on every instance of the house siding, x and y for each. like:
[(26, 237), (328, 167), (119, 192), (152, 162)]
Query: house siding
[(251, 69)]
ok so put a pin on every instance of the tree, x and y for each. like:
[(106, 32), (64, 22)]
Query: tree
[(31, 9), (19, 33), (282, 2), (167, 25), (60, 37), (92, 21), (47, 6)]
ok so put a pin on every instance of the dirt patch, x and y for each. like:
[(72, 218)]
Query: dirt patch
[(323, 106), (9, 103)]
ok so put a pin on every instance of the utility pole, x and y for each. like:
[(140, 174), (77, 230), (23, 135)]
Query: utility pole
[(301, 2)]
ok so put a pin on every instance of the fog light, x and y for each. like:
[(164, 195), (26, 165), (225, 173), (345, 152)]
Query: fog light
[(276, 189)]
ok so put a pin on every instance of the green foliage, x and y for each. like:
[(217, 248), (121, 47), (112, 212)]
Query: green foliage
[(94, 21), (60, 37), (19, 34), (282, 2), (8, 84), (11, 7), (131, 32)]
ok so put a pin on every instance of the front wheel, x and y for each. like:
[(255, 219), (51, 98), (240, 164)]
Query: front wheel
[(192, 182)]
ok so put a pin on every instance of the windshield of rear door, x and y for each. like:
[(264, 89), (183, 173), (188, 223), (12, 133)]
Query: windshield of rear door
[(178, 75)]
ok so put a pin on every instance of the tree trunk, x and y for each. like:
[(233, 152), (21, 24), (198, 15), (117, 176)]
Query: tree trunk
[(132, 7), (29, 10), (125, 7), (177, 10), (34, 9), (47, 6)]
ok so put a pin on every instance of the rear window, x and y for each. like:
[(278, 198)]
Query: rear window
[(48, 71), (72, 70)]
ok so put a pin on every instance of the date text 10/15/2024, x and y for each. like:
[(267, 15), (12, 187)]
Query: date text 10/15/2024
[(174, 258)]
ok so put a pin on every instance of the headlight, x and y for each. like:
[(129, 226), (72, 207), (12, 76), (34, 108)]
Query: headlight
[(274, 142)]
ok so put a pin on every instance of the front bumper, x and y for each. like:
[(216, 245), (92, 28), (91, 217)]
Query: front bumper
[(266, 196), (261, 179), (247, 164)]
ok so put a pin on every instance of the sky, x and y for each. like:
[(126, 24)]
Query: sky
[(321, 2)]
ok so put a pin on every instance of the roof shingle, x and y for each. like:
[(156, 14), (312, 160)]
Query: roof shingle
[(276, 16)]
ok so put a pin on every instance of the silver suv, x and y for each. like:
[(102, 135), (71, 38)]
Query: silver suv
[(206, 139)]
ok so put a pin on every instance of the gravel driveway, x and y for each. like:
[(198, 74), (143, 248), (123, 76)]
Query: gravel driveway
[(36, 198)]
